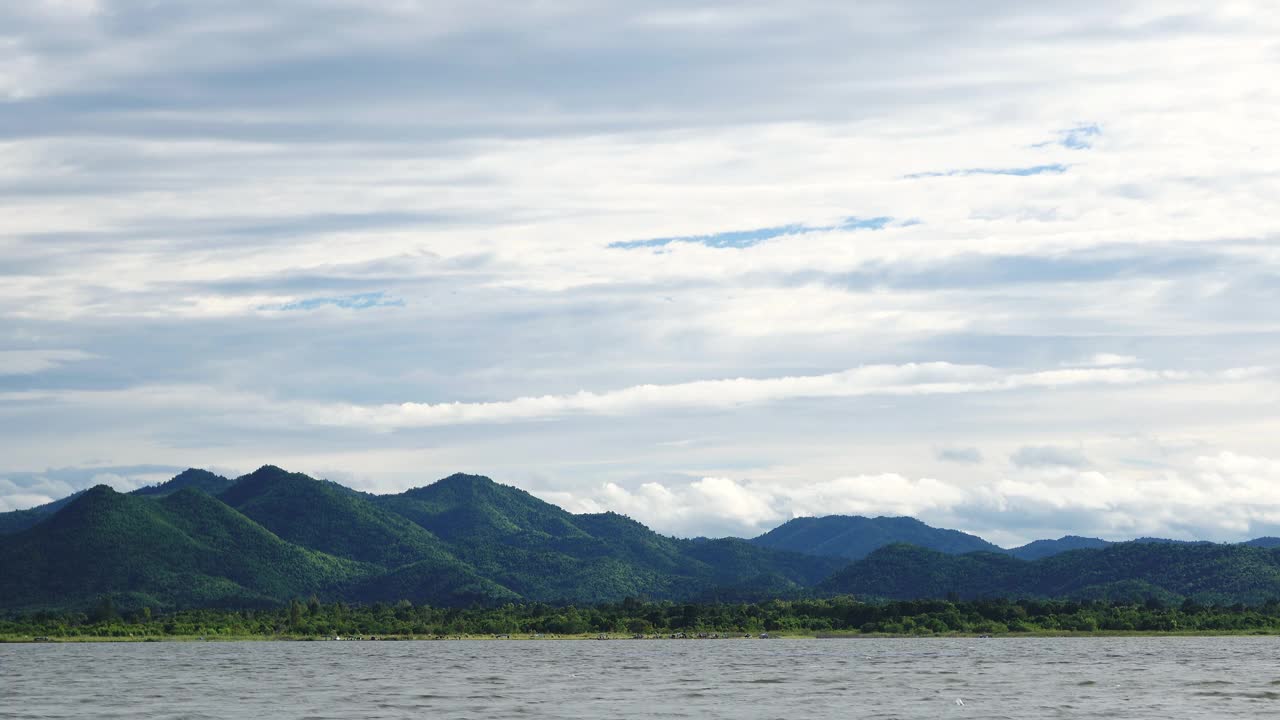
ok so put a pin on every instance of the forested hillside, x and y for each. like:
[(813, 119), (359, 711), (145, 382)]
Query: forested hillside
[(272, 536)]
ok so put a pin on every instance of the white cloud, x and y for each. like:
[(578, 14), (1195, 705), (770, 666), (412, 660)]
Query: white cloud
[(1109, 360), (709, 505), (166, 174), (1226, 496), (890, 380), (28, 362), (119, 483), (22, 501), (884, 494), (1049, 456), (968, 455)]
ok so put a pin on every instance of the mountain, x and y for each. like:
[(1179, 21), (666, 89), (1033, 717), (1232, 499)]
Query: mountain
[(18, 520), (271, 536), (473, 506), (1205, 572), (543, 552), (190, 478), (330, 518), (183, 550), (1045, 548), (854, 537), (430, 582)]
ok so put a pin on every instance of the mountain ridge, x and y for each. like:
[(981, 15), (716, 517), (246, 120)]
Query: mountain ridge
[(272, 535), (460, 541)]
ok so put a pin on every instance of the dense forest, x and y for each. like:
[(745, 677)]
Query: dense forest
[(262, 540), (634, 618)]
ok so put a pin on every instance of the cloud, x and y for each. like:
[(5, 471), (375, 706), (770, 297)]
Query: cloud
[(22, 501), (886, 493), (485, 156), (1049, 456), (721, 505), (21, 490), (967, 455), (29, 362), (890, 380), (1226, 496), (714, 506), (1108, 360)]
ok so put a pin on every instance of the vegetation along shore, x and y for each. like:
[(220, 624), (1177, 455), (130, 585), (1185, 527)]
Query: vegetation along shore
[(636, 619)]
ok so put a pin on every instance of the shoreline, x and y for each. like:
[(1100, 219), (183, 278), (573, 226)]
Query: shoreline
[(40, 640)]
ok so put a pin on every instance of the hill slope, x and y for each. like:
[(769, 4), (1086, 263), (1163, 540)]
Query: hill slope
[(16, 521), (546, 553), (854, 537), (330, 518), (1205, 572), (19, 520), (187, 549), (1038, 549), (272, 535)]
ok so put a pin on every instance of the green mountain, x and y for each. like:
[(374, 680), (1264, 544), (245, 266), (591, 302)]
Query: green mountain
[(1045, 548), (16, 521), (330, 518), (1204, 572), (466, 507), (272, 536), (183, 550), (854, 537), (545, 553), (191, 478), (19, 520), (430, 582)]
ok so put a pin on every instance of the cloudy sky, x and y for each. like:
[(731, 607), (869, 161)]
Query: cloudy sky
[(1009, 267)]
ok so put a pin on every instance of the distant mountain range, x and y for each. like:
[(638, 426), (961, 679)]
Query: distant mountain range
[(272, 535), (1208, 573), (267, 537)]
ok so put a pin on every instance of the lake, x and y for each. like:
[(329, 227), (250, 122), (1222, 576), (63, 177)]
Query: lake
[(1021, 678)]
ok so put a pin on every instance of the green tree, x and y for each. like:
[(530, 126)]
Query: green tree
[(106, 610)]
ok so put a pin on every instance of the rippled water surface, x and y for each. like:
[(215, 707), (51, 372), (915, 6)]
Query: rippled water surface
[(1018, 678)]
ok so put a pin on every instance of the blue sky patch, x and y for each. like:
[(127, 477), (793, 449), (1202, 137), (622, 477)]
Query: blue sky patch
[(359, 301), (748, 238), (1079, 137), (1053, 169)]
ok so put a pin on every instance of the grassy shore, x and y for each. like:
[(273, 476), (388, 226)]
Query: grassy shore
[(613, 636)]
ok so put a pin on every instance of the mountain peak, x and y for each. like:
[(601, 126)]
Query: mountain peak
[(270, 474), (92, 505), (269, 471), (464, 504), (456, 483), (189, 478), (97, 492), (855, 536), (467, 479)]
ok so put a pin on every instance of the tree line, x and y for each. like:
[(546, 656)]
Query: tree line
[(845, 615)]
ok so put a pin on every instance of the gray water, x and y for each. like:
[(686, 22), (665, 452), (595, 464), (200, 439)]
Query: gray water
[(1022, 678)]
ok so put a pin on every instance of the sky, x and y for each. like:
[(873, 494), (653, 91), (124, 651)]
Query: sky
[(1008, 267)]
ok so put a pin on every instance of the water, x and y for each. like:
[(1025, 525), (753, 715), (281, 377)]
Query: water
[(1021, 678)]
